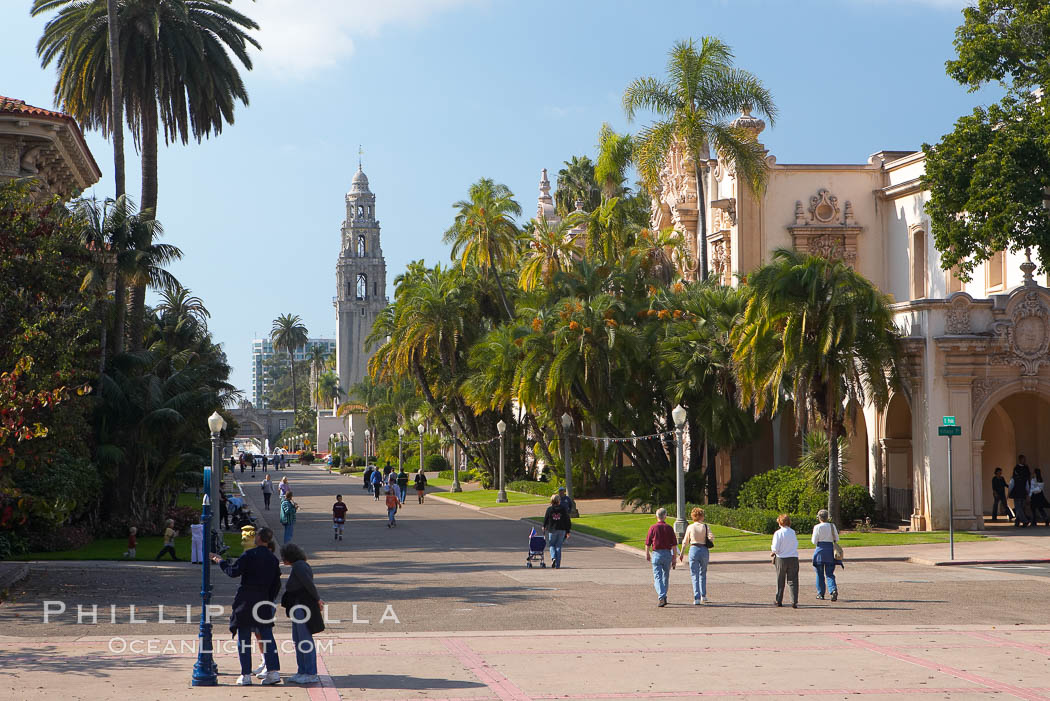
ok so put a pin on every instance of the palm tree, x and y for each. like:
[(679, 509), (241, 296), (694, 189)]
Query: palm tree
[(819, 332), (116, 86), (548, 248), (177, 73), (315, 357), (576, 182), (702, 90), (185, 310), (484, 233), (615, 155), (327, 390), (289, 334)]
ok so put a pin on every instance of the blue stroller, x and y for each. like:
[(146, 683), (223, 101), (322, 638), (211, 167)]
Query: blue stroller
[(536, 545)]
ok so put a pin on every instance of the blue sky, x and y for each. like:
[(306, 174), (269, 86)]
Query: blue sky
[(442, 92)]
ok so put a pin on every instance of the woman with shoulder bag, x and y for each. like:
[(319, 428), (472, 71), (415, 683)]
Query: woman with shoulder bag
[(303, 605), (827, 555), (698, 541)]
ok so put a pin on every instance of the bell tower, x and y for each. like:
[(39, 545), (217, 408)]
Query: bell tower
[(360, 278)]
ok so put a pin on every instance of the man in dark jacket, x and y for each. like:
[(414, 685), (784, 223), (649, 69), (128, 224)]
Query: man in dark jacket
[(556, 526), (1019, 493), (253, 608), (999, 495)]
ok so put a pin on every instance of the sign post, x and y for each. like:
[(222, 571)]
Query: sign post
[(949, 429)]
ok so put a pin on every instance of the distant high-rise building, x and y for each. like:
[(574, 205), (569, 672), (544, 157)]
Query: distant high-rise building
[(262, 350)]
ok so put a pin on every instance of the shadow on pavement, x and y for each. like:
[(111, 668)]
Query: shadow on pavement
[(399, 681)]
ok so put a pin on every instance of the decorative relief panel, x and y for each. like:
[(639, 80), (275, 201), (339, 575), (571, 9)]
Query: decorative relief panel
[(825, 229), (1025, 331), (957, 320)]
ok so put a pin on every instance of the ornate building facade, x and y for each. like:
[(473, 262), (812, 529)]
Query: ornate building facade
[(975, 350), (360, 276)]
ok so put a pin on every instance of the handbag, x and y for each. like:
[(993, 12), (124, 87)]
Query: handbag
[(835, 547), (708, 543)]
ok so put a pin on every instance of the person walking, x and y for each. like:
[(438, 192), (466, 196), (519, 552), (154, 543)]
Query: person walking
[(556, 528), (421, 485), (1037, 498), (566, 501), (368, 477), (283, 487), (824, 537), (224, 510), (392, 505), (338, 516), (785, 559), (243, 462), (377, 483), (1019, 493), (288, 510), (267, 491), (253, 608), (999, 495), (169, 540), (660, 544), (698, 541), (303, 605), (252, 459), (260, 671), (402, 484)]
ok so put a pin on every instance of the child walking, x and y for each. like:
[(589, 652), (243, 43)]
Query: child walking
[(338, 516), (132, 542), (392, 505), (169, 540)]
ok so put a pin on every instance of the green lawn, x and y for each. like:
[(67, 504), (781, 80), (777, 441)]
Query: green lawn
[(487, 497), (189, 499), (630, 529), (148, 547)]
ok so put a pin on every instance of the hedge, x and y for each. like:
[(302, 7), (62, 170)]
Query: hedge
[(791, 490), (436, 462), (543, 489), (464, 475), (754, 520)]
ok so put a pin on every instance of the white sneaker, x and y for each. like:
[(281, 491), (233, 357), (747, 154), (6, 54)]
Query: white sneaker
[(271, 678), (294, 679), (244, 680), (260, 671), (705, 600), (309, 679)]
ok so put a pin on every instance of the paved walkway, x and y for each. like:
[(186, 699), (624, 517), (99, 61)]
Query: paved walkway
[(443, 607)]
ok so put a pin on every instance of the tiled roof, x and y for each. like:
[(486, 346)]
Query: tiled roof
[(10, 105)]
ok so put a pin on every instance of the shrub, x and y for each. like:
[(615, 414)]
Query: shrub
[(762, 491), (12, 545), (543, 489), (183, 516), (856, 503), (305, 458), (791, 490), (359, 461), (336, 460), (754, 520), (436, 463), (464, 475), (54, 540)]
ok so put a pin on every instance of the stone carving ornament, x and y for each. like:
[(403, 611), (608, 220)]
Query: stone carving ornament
[(824, 206), (957, 320), (1026, 333)]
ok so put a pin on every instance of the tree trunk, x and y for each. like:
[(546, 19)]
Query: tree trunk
[(834, 425), (148, 211), (116, 88), (502, 294), (295, 407), (120, 313), (712, 473), (695, 443), (701, 219)]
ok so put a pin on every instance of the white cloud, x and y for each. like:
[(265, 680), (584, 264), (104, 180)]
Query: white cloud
[(299, 36)]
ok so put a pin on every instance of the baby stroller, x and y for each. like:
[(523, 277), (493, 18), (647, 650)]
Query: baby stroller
[(242, 516), (536, 545)]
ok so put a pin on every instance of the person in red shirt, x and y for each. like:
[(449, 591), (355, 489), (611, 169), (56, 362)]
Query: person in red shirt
[(660, 544), (338, 516), (392, 505), (132, 542)]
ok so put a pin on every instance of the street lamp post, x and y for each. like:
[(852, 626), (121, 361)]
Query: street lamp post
[(678, 414), (421, 429), (456, 486), (205, 671), (367, 447), (400, 438), (350, 449), (566, 424), (501, 497)]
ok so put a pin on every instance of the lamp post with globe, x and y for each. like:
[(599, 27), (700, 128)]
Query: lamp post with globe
[(678, 414), (421, 430), (400, 438), (205, 671), (501, 496)]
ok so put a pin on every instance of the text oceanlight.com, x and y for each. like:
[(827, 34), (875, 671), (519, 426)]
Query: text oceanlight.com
[(156, 646)]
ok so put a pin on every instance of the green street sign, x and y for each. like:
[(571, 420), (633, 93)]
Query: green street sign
[(948, 421), (949, 430)]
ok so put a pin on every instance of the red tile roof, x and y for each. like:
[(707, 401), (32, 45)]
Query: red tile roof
[(9, 105)]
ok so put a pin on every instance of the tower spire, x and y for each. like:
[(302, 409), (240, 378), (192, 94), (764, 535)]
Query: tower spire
[(360, 152)]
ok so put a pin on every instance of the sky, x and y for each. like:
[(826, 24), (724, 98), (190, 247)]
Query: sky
[(439, 93)]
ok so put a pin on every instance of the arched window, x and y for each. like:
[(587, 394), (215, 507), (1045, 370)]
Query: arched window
[(360, 210), (918, 264), (371, 211), (361, 245), (362, 286)]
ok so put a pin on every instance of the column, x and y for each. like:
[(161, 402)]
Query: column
[(978, 483)]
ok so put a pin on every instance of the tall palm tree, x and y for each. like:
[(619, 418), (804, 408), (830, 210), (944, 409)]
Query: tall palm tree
[(701, 91), (819, 332), (615, 155), (176, 73), (183, 308), (327, 390), (484, 233), (576, 182), (116, 86), (315, 358), (547, 249), (289, 334)]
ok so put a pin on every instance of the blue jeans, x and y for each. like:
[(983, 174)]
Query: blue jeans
[(305, 651), (289, 529), (661, 571), (699, 556), (245, 648), (390, 515), (555, 539), (825, 570)]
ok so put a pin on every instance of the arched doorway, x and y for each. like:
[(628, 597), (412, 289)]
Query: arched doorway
[(897, 459), (1012, 427)]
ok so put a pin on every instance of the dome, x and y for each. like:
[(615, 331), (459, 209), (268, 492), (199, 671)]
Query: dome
[(360, 181)]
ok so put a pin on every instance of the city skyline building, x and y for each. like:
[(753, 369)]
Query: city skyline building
[(262, 350)]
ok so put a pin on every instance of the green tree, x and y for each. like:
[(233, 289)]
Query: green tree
[(316, 358), (177, 74), (327, 390), (615, 156), (484, 233), (821, 333), (701, 91), (1005, 41), (576, 182), (288, 334), (547, 249)]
